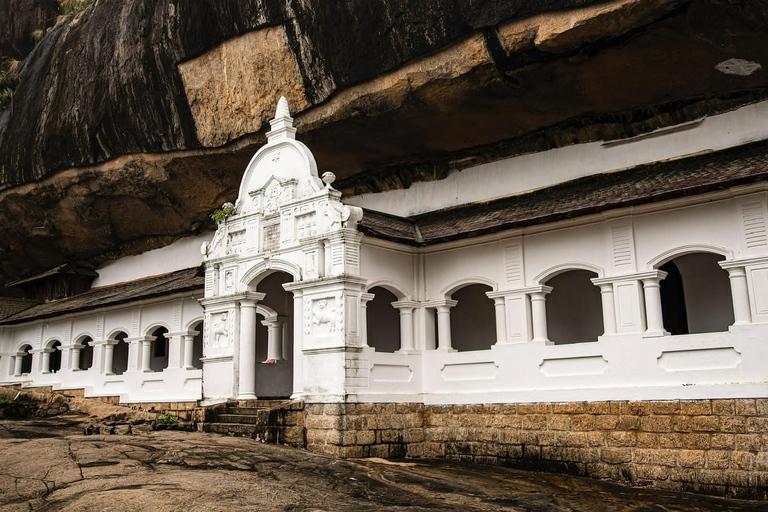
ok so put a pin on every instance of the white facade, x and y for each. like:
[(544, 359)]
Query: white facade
[(122, 343), (565, 311)]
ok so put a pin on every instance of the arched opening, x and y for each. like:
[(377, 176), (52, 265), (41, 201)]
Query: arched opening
[(158, 358), (383, 321), (197, 346), (574, 308), (274, 375), (26, 360), (473, 319), (85, 361), (696, 294), (120, 355), (54, 361)]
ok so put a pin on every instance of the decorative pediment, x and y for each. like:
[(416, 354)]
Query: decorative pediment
[(276, 192), (282, 170)]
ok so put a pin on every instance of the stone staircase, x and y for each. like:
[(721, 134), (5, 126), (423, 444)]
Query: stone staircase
[(272, 421)]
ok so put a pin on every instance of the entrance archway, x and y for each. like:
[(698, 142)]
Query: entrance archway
[(274, 337)]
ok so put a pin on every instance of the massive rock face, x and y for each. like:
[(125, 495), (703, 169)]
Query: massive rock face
[(134, 119)]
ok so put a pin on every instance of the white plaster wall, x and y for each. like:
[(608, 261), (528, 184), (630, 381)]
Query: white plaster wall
[(457, 267), (567, 248), (629, 365), (181, 254), (170, 384), (538, 170), (392, 268), (714, 224)]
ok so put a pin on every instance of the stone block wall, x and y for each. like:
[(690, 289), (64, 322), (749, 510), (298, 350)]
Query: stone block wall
[(185, 411), (365, 430), (710, 446)]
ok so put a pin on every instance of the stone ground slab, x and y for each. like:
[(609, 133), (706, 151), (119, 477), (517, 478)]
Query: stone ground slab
[(49, 465)]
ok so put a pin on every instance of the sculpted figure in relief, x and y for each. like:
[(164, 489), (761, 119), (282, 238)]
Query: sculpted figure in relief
[(324, 317), (220, 331)]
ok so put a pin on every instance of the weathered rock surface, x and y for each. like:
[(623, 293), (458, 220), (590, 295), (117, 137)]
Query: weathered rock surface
[(21, 18), (134, 119), (47, 466)]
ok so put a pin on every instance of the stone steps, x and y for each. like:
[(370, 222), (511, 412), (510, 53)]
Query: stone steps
[(270, 420), (261, 418), (247, 411), (234, 429)]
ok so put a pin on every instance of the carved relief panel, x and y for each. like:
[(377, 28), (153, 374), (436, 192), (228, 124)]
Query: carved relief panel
[(221, 327)]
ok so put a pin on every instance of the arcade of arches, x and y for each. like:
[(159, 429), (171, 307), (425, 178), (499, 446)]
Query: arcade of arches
[(695, 298)]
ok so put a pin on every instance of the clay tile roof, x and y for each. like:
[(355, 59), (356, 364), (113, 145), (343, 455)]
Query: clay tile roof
[(389, 227), (638, 185), (10, 306), (179, 281)]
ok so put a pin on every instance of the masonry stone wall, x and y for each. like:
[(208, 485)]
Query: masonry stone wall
[(710, 446)]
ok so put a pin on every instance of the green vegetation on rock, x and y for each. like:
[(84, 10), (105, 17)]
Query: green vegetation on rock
[(8, 83), (70, 7)]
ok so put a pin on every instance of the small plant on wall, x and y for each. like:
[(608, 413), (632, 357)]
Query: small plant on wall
[(69, 7), (8, 83), (223, 213)]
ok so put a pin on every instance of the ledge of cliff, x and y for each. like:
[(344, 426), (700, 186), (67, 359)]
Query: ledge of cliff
[(133, 120)]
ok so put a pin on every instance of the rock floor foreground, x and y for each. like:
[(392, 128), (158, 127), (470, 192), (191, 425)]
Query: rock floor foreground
[(49, 465)]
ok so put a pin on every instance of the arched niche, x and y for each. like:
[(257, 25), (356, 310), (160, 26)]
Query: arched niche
[(695, 294), (473, 319), (383, 320), (574, 307)]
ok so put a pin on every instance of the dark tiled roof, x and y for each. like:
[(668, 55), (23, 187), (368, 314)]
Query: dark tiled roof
[(179, 281), (639, 185), (66, 268), (390, 227), (9, 306)]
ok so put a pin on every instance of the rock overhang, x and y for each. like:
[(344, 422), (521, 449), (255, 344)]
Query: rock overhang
[(469, 87)]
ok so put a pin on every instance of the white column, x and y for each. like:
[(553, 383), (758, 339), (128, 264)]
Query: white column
[(365, 298), (134, 353), (19, 360), (609, 309), (109, 356), (46, 360), (175, 350), (444, 325), (742, 314), (274, 338), (500, 305), (539, 313), (406, 328), (653, 312), (298, 344), (189, 350), (66, 357), (146, 353), (76, 357), (247, 367)]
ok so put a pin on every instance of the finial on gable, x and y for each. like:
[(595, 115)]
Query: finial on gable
[(282, 108), (282, 124)]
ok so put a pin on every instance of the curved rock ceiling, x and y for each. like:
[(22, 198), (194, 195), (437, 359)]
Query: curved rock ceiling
[(135, 119)]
